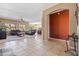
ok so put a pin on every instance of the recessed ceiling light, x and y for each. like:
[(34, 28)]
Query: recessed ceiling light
[(58, 13)]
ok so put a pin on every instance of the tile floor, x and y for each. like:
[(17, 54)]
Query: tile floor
[(31, 46)]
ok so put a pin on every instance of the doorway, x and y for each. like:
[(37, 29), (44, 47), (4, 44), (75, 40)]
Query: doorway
[(59, 24)]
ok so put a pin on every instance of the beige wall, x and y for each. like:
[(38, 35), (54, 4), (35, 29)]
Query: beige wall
[(72, 18), (78, 23)]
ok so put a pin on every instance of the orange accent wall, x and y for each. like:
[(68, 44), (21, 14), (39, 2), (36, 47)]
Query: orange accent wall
[(59, 24)]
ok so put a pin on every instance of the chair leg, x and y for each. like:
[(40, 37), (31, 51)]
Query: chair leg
[(67, 49)]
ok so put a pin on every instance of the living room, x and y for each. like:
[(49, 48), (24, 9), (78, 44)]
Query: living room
[(48, 25)]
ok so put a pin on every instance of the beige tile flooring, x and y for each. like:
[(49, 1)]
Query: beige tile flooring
[(32, 46)]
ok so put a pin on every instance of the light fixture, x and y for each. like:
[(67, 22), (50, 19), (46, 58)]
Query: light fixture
[(58, 13)]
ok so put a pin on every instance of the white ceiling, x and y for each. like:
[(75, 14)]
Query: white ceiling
[(28, 11)]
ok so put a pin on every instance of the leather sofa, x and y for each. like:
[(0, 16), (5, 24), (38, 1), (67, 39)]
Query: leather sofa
[(30, 32), (2, 34)]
